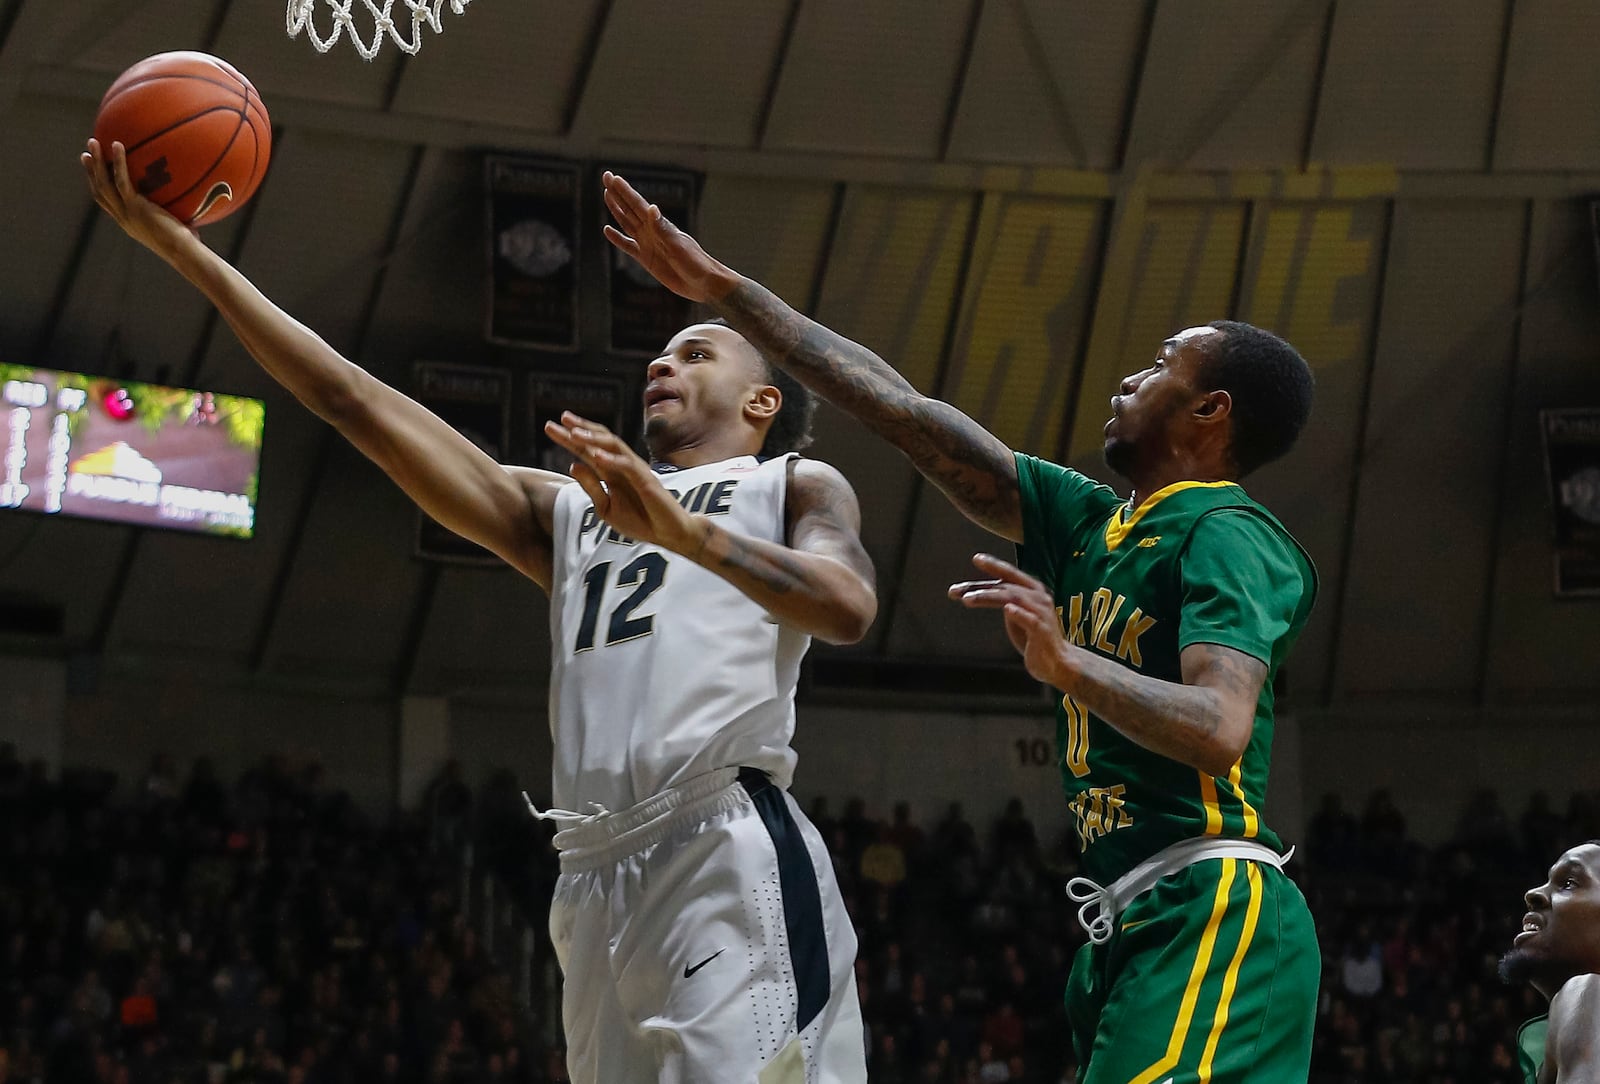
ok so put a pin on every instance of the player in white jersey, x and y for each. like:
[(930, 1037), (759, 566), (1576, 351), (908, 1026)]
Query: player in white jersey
[(697, 919)]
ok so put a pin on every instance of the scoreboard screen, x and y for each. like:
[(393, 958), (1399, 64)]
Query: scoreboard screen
[(102, 448)]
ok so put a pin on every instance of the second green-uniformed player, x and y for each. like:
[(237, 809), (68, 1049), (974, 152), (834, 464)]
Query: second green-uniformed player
[(1176, 609)]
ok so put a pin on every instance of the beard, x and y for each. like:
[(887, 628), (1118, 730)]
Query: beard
[(1517, 967), (1120, 455), (657, 436)]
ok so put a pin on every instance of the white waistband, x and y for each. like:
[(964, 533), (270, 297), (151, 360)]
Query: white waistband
[(588, 840), (1102, 905)]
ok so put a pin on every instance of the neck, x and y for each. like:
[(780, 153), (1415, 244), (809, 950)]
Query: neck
[(1150, 482), (699, 453)]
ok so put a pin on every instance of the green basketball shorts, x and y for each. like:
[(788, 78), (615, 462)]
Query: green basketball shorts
[(1211, 976)]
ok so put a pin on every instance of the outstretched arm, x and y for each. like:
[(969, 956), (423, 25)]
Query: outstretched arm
[(1572, 1045), (968, 463), (821, 583), (507, 510)]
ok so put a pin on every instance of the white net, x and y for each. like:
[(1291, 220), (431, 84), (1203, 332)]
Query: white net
[(368, 22)]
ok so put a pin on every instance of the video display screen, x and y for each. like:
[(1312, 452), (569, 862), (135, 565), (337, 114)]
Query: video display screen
[(103, 448)]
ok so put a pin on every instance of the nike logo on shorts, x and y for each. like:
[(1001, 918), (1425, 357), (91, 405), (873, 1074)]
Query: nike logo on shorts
[(688, 972)]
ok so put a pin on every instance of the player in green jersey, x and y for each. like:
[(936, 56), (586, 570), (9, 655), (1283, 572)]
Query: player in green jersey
[(1558, 953), (1163, 619)]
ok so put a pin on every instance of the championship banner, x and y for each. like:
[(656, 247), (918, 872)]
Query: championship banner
[(1572, 459), (533, 251), (476, 403), (592, 397), (641, 313)]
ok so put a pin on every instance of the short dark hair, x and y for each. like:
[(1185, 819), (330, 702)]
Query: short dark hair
[(1270, 384), (790, 430)]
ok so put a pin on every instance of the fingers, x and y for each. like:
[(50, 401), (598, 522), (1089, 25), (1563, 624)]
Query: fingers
[(625, 215), (621, 240), (579, 422), (991, 565), (99, 180), (995, 596), (598, 448), (623, 193), (1026, 618), (119, 174), (966, 587), (585, 476)]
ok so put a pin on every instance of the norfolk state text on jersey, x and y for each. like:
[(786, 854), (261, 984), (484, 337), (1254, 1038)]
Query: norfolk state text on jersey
[(1198, 562)]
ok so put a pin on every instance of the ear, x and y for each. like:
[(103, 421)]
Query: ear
[(764, 403), (1215, 407)]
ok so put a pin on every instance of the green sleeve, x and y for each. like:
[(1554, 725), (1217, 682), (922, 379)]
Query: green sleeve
[(1245, 585), (1056, 501)]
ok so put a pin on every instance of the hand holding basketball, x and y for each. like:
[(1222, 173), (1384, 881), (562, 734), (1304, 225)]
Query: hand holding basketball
[(675, 259), (113, 190), (626, 492)]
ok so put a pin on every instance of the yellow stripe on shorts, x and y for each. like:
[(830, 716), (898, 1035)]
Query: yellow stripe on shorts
[(1197, 978), (1252, 912)]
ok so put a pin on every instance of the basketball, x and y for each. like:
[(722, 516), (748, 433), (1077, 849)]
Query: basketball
[(197, 134)]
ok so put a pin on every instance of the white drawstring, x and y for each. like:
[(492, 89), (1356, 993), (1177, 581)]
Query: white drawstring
[(566, 818), (1097, 916), (1101, 904)]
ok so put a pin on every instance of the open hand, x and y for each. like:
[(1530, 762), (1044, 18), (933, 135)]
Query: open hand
[(626, 492), (675, 259), (114, 192), (1030, 615)]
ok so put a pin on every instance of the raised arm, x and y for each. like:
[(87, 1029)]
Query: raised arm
[(968, 463), (820, 583), (507, 510)]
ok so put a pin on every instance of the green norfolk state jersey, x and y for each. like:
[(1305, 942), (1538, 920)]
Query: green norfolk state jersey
[(1199, 562), (1530, 1047)]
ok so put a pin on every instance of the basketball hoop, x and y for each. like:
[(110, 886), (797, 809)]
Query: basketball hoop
[(302, 15)]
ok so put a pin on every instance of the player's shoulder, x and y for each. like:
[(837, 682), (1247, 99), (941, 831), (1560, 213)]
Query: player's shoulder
[(1235, 529), (1042, 481), (1573, 1041), (540, 487), (1577, 1002), (814, 478)]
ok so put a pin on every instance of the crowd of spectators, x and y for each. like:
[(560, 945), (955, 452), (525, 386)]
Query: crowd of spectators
[(1411, 937), (265, 930), (259, 932)]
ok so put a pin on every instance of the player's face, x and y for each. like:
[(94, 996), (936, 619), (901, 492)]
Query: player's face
[(1561, 932), (1148, 411), (699, 385)]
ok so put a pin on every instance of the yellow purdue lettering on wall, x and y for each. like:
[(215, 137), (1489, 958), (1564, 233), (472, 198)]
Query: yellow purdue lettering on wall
[(1012, 378), (1308, 255), (1099, 811)]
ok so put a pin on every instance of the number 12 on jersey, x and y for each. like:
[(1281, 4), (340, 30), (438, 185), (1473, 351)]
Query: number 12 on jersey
[(1075, 739), (645, 574)]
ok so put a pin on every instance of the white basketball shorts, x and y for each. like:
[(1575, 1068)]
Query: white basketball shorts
[(703, 938)]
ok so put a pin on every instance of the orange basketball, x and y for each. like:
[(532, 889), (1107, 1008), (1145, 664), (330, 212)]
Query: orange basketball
[(197, 135)]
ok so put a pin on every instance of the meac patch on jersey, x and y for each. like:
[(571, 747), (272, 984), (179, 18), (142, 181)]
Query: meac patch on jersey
[(662, 670)]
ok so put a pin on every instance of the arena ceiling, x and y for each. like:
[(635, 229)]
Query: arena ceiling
[(1014, 200)]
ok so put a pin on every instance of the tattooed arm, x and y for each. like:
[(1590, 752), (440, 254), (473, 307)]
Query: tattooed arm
[(821, 583), (968, 463), (1205, 721)]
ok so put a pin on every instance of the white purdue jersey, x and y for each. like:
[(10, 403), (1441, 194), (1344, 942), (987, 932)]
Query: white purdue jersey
[(662, 670)]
